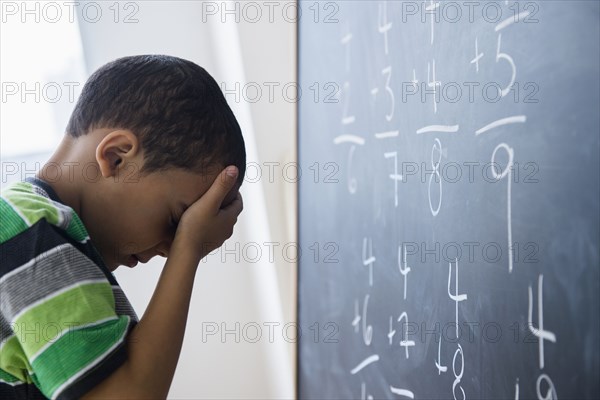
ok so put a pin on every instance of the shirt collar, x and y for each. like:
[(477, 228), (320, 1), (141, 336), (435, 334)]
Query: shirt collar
[(34, 180)]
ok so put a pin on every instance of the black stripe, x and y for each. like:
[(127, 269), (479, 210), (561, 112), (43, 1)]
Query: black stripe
[(24, 391), (50, 274), (39, 238), (91, 252)]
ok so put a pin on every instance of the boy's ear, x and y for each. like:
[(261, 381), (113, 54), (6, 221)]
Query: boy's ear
[(115, 150)]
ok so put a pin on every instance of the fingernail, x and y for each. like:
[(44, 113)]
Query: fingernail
[(231, 171)]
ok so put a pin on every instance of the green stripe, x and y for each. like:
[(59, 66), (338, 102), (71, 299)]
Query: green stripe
[(74, 351), (81, 305), (76, 229), (6, 377), (13, 362), (33, 206), (12, 223)]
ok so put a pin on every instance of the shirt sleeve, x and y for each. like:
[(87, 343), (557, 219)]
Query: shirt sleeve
[(66, 334)]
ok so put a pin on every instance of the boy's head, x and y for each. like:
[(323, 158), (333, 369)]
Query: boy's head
[(159, 129), (173, 106)]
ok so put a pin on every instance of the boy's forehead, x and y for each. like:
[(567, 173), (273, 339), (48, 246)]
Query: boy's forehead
[(194, 185)]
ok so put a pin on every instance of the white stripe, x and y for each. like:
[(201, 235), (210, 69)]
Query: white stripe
[(67, 330), (60, 212), (16, 210), (31, 262), (82, 241), (62, 387), (65, 214), (57, 293), (12, 383)]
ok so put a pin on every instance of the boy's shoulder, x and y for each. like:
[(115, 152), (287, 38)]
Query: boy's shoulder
[(51, 276), (24, 203), (37, 224)]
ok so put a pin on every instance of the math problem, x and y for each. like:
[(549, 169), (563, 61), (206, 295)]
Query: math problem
[(466, 211)]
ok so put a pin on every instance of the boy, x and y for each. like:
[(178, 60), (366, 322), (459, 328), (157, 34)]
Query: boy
[(150, 164)]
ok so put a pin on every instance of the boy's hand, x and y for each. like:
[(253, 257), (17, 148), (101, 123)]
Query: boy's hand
[(204, 226)]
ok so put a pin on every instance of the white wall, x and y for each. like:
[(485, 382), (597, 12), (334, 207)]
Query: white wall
[(249, 293)]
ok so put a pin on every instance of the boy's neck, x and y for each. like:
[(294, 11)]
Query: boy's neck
[(62, 175)]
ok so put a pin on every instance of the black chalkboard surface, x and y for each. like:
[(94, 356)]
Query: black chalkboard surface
[(449, 200)]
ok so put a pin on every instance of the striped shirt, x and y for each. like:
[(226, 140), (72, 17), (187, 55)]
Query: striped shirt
[(63, 316)]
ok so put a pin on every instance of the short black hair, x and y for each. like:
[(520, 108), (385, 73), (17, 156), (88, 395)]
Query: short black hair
[(174, 107)]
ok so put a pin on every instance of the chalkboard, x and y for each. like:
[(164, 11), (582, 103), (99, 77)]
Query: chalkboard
[(449, 200)]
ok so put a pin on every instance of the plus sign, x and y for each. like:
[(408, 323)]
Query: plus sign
[(477, 57), (433, 83)]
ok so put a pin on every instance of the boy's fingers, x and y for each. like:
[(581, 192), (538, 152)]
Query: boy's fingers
[(236, 206), (221, 186)]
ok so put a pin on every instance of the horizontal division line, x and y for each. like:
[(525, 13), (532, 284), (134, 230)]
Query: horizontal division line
[(348, 139), (438, 128), (388, 134), (364, 363), (402, 392), (504, 121)]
